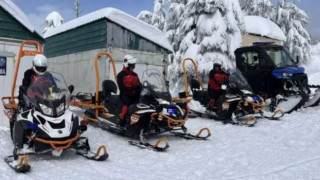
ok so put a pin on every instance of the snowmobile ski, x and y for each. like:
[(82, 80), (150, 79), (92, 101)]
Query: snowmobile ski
[(191, 136), (275, 116), (314, 98), (94, 156), (249, 122), (18, 163), (155, 147), (83, 149)]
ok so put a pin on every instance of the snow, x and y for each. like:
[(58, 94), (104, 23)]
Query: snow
[(54, 19), (12, 9), (145, 16), (286, 149), (123, 19), (264, 27)]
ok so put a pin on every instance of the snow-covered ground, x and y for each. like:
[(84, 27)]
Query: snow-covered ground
[(286, 149)]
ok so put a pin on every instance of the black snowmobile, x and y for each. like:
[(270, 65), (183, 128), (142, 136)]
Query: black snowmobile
[(274, 75), (45, 123), (154, 114), (238, 105)]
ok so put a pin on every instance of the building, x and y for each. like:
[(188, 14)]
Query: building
[(71, 47), (260, 29), (14, 28)]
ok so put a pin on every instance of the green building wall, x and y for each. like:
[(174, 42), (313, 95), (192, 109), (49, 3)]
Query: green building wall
[(11, 28)]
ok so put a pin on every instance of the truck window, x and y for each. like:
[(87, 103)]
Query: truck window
[(249, 61)]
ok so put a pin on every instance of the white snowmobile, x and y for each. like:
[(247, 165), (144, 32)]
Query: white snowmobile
[(42, 121), (46, 124)]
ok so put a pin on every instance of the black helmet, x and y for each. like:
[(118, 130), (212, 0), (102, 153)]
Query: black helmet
[(218, 65)]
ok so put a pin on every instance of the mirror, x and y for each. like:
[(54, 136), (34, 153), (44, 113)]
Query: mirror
[(167, 84), (71, 88), (297, 60)]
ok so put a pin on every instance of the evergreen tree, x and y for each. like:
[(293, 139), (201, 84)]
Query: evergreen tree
[(293, 22), (145, 16), (159, 14), (53, 20), (208, 31), (263, 8)]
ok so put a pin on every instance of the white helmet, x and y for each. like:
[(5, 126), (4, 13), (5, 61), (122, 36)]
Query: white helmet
[(40, 64), (128, 59)]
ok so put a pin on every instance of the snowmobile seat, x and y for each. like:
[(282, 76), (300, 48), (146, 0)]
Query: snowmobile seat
[(195, 84), (109, 87), (112, 101)]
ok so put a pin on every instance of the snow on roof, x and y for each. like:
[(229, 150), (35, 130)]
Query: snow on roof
[(264, 27), (131, 23), (16, 12)]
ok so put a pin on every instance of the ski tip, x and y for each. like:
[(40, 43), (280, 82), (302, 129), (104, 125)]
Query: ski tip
[(102, 157)]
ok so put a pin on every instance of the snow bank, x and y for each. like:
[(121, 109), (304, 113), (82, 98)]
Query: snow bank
[(12, 9), (264, 27), (123, 19)]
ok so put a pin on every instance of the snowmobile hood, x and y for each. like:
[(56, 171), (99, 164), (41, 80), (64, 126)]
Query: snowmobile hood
[(286, 73)]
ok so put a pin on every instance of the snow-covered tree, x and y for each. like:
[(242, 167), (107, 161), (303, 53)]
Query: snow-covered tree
[(53, 20), (263, 8), (173, 21), (316, 50), (145, 16), (159, 14), (293, 22), (209, 31)]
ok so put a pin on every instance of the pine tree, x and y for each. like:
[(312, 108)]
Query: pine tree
[(173, 21), (53, 20), (263, 8), (293, 22), (208, 31), (145, 16), (159, 14)]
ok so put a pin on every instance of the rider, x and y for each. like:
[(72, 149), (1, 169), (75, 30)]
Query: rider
[(129, 85), (39, 68), (216, 78)]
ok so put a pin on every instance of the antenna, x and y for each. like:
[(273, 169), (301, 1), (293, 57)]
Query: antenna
[(77, 9)]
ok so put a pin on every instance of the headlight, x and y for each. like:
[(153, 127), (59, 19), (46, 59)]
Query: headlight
[(46, 110), (60, 109), (287, 74)]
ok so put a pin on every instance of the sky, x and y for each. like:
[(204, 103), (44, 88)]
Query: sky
[(37, 10)]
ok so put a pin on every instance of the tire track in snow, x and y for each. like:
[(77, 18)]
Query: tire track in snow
[(277, 170)]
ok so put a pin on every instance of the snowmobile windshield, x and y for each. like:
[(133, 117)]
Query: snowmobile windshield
[(48, 93), (154, 81), (237, 80), (280, 58)]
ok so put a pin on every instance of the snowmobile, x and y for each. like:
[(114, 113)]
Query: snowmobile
[(44, 123), (237, 103), (274, 75), (154, 114)]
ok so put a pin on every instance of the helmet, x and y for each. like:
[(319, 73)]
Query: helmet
[(40, 64), (217, 65), (129, 61)]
